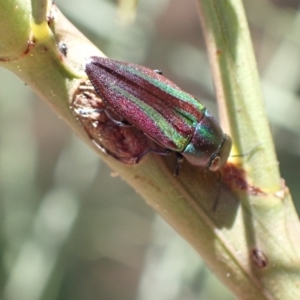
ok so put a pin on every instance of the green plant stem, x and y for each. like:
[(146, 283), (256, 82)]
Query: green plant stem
[(224, 238), (270, 220), (39, 10), (238, 88)]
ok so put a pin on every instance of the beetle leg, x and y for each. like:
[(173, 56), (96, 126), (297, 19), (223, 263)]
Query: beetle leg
[(158, 71), (155, 151), (215, 204), (119, 123), (164, 152), (179, 163), (86, 112)]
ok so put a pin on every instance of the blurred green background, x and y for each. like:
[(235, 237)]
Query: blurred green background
[(72, 229)]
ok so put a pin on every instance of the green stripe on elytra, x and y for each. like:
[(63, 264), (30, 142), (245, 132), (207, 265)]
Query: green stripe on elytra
[(159, 120), (169, 89), (188, 117)]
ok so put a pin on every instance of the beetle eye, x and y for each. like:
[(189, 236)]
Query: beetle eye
[(215, 164), (219, 158)]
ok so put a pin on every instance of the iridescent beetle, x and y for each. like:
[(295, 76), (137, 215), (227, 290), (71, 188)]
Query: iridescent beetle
[(161, 110)]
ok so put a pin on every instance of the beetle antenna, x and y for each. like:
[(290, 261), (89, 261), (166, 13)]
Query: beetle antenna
[(247, 153), (215, 204)]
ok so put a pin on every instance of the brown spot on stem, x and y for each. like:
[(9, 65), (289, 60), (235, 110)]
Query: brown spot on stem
[(126, 144), (218, 52), (235, 178), (259, 258), (30, 45)]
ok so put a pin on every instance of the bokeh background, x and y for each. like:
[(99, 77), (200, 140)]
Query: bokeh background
[(70, 228)]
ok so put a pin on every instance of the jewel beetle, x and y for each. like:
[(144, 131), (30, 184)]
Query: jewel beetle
[(172, 118)]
